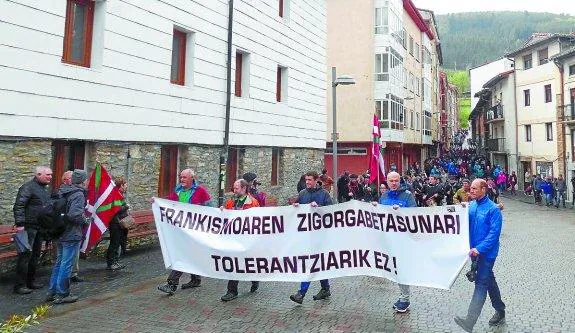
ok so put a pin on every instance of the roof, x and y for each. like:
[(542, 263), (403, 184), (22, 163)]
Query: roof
[(494, 80), (538, 39), (567, 53), (416, 17)]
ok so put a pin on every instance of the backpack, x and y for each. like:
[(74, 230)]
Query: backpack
[(52, 217)]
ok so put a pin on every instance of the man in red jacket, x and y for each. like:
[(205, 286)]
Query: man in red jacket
[(188, 191)]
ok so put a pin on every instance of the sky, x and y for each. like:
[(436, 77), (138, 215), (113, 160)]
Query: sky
[(458, 6)]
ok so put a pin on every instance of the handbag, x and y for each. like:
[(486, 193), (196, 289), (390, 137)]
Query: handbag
[(128, 222)]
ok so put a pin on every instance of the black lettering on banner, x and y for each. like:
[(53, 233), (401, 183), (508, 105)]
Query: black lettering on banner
[(256, 225), (216, 225), (249, 262), (368, 221), (381, 221), (424, 223), (385, 262), (314, 265), (401, 224), (238, 269), (246, 230), (302, 218), (449, 224), (324, 221), (360, 218), (262, 265), (390, 223), (230, 264), (303, 260), (237, 225), (363, 258), (350, 218), (201, 221), (315, 221), (276, 266), (345, 258), (169, 214), (338, 219), (331, 261), (437, 225), (266, 225), (178, 219), (457, 223), (162, 213), (216, 258), (278, 224), (290, 265)]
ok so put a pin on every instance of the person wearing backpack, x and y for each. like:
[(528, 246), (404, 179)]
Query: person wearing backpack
[(30, 200), (69, 241)]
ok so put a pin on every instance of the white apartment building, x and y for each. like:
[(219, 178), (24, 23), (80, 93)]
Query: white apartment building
[(141, 86)]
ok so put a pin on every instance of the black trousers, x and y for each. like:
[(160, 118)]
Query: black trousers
[(28, 261), (115, 239), (233, 285), (123, 240), (174, 277)]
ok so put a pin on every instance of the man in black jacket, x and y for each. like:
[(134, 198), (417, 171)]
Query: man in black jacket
[(30, 200)]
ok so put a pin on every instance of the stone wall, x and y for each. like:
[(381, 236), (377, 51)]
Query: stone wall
[(139, 164), (18, 162)]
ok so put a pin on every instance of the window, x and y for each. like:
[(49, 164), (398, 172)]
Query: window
[(427, 123), (382, 67), (178, 75), (573, 145), (417, 122), (382, 20), (410, 45), (168, 170), (277, 155), (411, 122), (416, 51), (543, 57), (549, 131), (67, 155), (571, 70), (281, 84), (548, 93), (242, 74), (283, 8), (78, 32), (404, 39), (528, 133), (527, 61), (417, 86), (527, 97), (391, 112)]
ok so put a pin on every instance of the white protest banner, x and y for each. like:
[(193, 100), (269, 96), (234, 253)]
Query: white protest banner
[(414, 246)]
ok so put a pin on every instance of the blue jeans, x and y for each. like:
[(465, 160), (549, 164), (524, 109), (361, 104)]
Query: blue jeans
[(549, 199), (305, 286), (484, 283), (60, 279)]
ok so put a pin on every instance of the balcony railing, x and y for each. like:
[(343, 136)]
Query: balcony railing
[(495, 144), (495, 113), (569, 113)]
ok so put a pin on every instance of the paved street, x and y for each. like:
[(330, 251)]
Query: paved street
[(535, 273)]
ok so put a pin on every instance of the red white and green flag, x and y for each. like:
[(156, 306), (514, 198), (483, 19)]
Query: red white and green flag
[(376, 165), (104, 201)]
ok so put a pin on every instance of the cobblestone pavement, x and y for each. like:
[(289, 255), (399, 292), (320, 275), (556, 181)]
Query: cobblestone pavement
[(535, 272)]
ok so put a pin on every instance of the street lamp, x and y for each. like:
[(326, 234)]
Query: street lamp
[(343, 80)]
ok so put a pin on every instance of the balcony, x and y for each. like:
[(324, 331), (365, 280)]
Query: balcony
[(495, 114), (569, 114), (495, 145)]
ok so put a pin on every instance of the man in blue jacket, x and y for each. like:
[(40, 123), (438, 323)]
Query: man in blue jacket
[(548, 190), (316, 197), (398, 197), (485, 223)]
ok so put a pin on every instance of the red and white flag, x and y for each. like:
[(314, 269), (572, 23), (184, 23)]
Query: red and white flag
[(104, 201), (376, 165)]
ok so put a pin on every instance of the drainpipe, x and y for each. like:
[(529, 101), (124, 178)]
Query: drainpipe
[(559, 117), (225, 148), (517, 161)]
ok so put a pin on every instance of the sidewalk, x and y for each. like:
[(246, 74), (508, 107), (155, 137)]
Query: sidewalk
[(529, 199)]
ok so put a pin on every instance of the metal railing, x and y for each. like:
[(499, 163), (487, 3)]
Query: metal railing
[(495, 113), (495, 144), (569, 112)]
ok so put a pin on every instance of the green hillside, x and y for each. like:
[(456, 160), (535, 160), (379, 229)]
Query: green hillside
[(471, 39), (460, 78)]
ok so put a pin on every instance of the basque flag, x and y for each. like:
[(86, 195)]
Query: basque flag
[(104, 201)]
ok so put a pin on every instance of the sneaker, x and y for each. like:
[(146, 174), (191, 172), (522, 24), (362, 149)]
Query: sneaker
[(401, 307), (76, 279), (463, 324), (36, 285), (49, 297), (497, 319), (323, 294), (115, 267), (192, 284), (297, 297), (169, 289), (255, 287), (229, 296), (22, 290), (64, 300)]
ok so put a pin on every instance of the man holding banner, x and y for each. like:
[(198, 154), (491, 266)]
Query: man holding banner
[(485, 223), (396, 198), (242, 200), (316, 197), (188, 191)]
